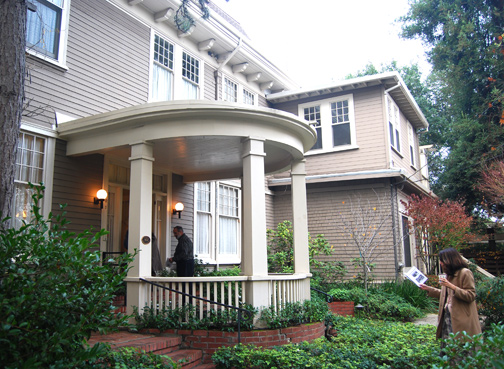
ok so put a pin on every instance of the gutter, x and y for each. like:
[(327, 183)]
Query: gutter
[(219, 70), (341, 175)]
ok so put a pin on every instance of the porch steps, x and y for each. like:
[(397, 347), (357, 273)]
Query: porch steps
[(161, 345)]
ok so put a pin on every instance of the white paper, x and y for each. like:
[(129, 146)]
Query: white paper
[(416, 276)]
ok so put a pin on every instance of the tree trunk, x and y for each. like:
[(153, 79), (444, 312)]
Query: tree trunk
[(12, 74)]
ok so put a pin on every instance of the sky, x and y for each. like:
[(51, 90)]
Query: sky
[(316, 42)]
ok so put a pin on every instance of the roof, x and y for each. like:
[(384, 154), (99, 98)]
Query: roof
[(391, 81)]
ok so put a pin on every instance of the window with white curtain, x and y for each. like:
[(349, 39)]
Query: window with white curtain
[(162, 70), (248, 97), (230, 90), (412, 145), (46, 28), (394, 125), (217, 223), (190, 74), (30, 163)]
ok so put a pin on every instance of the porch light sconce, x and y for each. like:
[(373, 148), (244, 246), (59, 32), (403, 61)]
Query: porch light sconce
[(101, 195), (179, 207)]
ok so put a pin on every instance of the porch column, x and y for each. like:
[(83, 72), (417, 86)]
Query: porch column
[(140, 221), (254, 245), (300, 223)]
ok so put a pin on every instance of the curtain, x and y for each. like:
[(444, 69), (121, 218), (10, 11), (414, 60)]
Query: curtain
[(161, 83), (190, 91), (228, 236)]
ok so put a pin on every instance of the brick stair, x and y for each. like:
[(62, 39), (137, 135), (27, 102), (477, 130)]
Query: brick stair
[(161, 345)]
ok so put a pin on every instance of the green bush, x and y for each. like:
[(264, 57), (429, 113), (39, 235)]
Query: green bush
[(490, 297), (53, 293), (410, 293), (359, 344), (379, 304), (295, 313), (185, 317), (481, 351)]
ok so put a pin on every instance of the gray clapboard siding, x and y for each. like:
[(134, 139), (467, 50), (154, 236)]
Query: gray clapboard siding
[(96, 32), (76, 180), (182, 192), (325, 203), (209, 92)]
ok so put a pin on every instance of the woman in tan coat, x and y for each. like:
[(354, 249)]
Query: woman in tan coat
[(457, 296)]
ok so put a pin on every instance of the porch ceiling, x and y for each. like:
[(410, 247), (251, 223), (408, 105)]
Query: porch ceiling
[(200, 140)]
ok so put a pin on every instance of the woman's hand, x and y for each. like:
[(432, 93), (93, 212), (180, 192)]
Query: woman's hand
[(444, 282), (424, 287)]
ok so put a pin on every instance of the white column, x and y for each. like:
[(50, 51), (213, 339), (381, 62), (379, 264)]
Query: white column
[(300, 222), (140, 221), (254, 243)]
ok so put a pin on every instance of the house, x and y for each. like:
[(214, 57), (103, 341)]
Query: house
[(120, 99), (367, 155)]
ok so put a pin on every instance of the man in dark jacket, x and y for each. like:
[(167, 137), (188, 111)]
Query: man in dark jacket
[(184, 254)]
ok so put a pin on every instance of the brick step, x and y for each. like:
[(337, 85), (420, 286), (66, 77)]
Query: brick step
[(147, 343), (187, 358), (205, 366)]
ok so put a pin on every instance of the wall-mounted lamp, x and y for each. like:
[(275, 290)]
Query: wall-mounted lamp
[(101, 195), (179, 207)]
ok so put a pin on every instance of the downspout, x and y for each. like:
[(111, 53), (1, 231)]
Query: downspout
[(392, 88), (219, 70), (393, 196)]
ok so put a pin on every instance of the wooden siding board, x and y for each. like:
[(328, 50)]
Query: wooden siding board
[(209, 91), (182, 192)]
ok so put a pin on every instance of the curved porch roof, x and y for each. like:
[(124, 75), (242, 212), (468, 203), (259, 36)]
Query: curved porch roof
[(198, 139)]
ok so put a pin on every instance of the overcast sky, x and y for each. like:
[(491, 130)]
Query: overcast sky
[(319, 41)]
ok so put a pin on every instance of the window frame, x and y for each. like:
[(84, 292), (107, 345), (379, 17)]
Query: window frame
[(59, 58), (226, 85), (394, 125), (214, 256), (188, 79), (414, 161), (170, 69), (241, 90), (326, 124)]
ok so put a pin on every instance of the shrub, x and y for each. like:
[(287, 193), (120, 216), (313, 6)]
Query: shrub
[(410, 293), (295, 313), (53, 294), (480, 351), (131, 358), (359, 345), (490, 296)]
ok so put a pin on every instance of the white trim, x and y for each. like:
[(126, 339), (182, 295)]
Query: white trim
[(62, 42), (327, 125)]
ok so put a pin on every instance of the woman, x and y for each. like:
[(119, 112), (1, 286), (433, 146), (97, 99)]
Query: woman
[(457, 296)]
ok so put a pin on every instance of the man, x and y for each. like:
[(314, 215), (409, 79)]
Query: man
[(183, 256)]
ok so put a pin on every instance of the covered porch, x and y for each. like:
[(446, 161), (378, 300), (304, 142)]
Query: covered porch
[(202, 141)]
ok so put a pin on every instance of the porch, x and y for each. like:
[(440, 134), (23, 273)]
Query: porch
[(204, 141)]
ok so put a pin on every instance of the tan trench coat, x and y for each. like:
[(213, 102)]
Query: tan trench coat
[(464, 313)]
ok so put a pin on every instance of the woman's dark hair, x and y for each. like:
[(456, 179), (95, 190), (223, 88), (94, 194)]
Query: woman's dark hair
[(452, 261)]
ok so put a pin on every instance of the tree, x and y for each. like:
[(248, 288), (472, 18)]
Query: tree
[(12, 74), (368, 226), (491, 185), (460, 35), (436, 225)]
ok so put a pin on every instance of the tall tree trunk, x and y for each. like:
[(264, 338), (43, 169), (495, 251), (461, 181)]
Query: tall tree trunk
[(12, 74)]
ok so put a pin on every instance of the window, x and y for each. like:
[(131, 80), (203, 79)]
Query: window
[(29, 169), (312, 115), (340, 123), (394, 125), (217, 224), (162, 70), (46, 28), (248, 97), (230, 91), (334, 121), (190, 74), (412, 144)]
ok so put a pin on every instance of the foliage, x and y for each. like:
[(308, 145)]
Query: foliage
[(491, 184), (185, 317), (281, 255), (358, 344), (132, 358), (53, 293), (366, 225), (480, 351), (295, 313), (468, 65), (411, 294), (490, 298), (437, 225)]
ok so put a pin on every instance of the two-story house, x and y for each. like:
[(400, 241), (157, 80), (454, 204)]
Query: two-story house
[(367, 156), (121, 100)]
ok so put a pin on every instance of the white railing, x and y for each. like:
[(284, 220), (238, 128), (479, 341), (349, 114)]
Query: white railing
[(283, 288)]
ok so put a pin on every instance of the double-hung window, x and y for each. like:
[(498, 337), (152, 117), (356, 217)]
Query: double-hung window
[(30, 164), (217, 224), (46, 28), (394, 125), (248, 97), (334, 121), (230, 90), (312, 115), (412, 145), (190, 74), (162, 70)]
